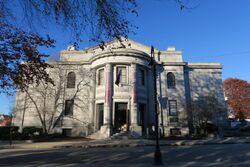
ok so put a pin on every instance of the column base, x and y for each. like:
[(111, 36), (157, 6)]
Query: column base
[(135, 130), (106, 131)]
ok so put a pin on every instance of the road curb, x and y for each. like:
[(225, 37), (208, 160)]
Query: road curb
[(145, 145), (122, 143)]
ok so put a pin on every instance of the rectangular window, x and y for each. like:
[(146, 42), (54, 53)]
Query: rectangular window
[(175, 132), (99, 109), (66, 132), (140, 114), (121, 74), (101, 77), (173, 119), (141, 77), (69, 105), (172, 107)]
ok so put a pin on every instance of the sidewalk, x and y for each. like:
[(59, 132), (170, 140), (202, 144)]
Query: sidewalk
[(117, 143), (35, 145), (146, 142)]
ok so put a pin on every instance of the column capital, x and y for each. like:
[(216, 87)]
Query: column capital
[(133, 65), (108, 65)]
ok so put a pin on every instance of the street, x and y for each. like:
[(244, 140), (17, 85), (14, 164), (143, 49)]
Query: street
[(198, 155)]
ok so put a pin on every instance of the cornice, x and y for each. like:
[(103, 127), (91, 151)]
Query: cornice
[(205, 65), (121, 52)]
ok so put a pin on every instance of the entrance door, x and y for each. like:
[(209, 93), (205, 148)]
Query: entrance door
[(141, 117), (120, 121)]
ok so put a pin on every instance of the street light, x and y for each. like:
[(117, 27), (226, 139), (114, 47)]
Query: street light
[(10, 132), (157, 155)]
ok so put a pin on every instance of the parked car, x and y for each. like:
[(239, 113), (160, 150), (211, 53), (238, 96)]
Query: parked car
[(235, 125), (245, 128)]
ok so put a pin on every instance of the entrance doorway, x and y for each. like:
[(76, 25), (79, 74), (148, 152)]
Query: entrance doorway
[(121, 117), (141, 117)]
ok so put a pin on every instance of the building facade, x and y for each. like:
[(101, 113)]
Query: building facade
[(5, 120), (110, 89)]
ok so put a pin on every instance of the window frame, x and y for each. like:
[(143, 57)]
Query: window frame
[(69, 110), (170, 107), (171, 83), (126, 74), (142, 79), (140, 115), (99, 82), (173, 119), (71, 80), (175, 131), (67, 132), (100, 114)]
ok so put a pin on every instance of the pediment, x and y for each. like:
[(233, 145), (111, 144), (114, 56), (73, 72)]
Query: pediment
[(119, 44), (125, 46)]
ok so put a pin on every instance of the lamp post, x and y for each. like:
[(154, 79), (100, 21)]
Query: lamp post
[(157, 155), (10, 132)]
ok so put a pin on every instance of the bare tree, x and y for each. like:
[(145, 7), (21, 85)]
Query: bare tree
[(16, 47), (207, 109), (93, 19), (96, 19), (48, 100)]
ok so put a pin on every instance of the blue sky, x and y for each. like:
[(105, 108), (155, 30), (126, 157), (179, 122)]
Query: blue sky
[(214, 31)]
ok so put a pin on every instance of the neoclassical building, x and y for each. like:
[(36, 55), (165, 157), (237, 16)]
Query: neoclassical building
[(110, 89)]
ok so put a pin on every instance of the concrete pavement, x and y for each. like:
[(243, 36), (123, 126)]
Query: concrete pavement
[(117, 143)]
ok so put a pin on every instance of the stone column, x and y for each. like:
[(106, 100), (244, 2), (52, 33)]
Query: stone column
[(106, 128), (92, 97), (134, 128)]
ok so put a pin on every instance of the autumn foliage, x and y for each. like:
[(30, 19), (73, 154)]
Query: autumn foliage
[(238, 93), (21, 63)]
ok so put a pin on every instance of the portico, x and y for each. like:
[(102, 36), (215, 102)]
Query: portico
[(120, 111)]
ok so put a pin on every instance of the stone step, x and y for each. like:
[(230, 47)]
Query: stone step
[(96, 136), (121, 135)]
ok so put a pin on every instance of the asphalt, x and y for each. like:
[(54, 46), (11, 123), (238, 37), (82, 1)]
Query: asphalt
[(117, 143)]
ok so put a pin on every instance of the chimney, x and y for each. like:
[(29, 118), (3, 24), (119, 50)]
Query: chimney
[(171, 48)]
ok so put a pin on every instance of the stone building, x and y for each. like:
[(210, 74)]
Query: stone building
[(110, 89)]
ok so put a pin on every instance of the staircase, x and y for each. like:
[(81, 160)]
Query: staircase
[(123, 135), (96, 136)]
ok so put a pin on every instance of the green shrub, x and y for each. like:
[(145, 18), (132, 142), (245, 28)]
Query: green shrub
[(31, 132), (207, 128), (9, 132), (211, 128)]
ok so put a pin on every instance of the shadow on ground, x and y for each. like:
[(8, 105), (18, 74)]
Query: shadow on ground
[(205, 155)]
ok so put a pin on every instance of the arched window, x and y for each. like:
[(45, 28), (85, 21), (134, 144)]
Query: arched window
[(171, 80), (101, 77), (71, 80)]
